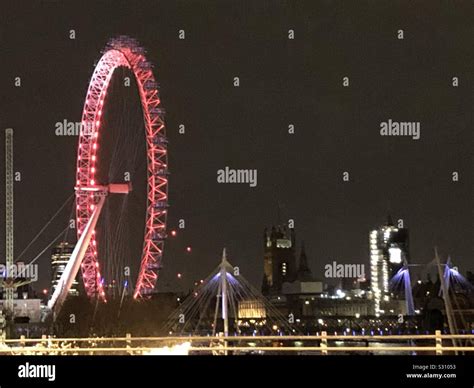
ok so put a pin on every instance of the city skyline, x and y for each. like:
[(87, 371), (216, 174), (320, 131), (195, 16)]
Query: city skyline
[(230, 178), (247, 127)]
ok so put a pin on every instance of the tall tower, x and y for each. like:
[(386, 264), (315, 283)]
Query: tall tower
[(9, 282), (279, 263), (388, 247)]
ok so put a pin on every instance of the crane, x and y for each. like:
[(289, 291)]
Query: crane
[(8, 282)]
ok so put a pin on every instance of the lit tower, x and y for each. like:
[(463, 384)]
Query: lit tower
[(279, 261), (388, 253)]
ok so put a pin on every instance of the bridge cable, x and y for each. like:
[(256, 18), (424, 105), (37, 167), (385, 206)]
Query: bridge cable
[(44, 250), (45, 226)]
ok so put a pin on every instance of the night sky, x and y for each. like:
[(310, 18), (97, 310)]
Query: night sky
[(282, 82)]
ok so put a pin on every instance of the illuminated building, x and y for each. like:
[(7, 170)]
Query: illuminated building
[(252, 309), (388, 247), (279, 259), (60, 256)]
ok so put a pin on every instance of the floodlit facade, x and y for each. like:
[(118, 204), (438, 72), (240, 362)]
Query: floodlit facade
[(388, 246), (60, 256), (252, 309)]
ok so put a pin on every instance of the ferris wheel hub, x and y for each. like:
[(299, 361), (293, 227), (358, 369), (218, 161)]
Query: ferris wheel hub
[(114, 188)]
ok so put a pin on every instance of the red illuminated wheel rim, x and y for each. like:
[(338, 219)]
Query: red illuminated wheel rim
[(124, 52)]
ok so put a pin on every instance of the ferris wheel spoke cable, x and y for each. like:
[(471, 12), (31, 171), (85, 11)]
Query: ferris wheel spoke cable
[(121, 234), (126, 146), (117, 247), (119, 155), (116, 244), (108, 243)]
